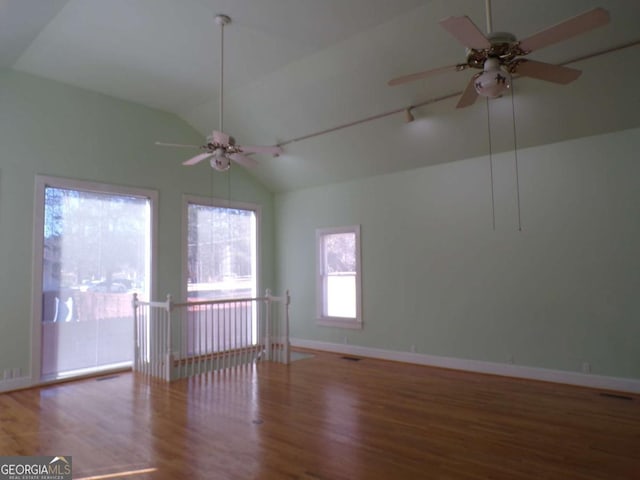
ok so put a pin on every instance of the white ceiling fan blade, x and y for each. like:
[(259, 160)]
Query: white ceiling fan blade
[(466, 32), (564, 30), (197, 159), (180, 145), (243, 160), (469, 95), (546, 71), (275, 150), (420, 75), (220, 137)]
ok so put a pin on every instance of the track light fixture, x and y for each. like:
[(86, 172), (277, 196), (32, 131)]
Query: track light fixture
[(408, 116)]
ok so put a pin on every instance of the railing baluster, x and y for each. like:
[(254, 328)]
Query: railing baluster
[(209, 341), (217, 347), (184, 319), (245, 344), (236, 360), (199, 352)]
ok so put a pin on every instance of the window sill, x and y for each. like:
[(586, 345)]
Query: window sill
[(350, 323)]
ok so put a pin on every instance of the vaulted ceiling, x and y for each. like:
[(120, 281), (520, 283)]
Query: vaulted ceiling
[(297, 67)]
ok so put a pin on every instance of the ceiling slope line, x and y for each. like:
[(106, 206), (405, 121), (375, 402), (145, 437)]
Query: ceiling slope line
[(439, 99)]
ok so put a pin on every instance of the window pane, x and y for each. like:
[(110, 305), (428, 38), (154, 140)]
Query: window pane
[(221, 253), (340, 253), (96, 254), (341, 296), (221, 265)]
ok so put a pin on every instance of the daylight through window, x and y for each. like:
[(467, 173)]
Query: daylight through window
[(338, 251)]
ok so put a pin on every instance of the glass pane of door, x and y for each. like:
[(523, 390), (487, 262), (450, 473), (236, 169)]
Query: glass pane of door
[(96, 253), (221, 265), (221, 253)]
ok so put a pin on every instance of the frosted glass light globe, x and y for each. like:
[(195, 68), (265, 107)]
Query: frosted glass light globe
[(220, 161), (494, 81)]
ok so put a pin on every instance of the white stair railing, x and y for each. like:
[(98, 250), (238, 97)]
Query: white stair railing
[(177, 340)]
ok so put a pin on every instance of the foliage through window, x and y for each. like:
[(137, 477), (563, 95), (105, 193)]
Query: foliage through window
[(221, 252)]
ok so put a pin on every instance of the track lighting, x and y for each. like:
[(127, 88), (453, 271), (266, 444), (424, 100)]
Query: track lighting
[(408, 116)]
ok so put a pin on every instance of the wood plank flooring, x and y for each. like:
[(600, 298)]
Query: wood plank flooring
[(327, 418)]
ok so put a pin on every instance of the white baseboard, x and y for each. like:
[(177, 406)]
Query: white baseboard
[(14, 383), (507, 370)]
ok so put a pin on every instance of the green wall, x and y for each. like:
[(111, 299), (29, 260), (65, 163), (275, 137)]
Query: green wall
[(438, 277), (48, 128)]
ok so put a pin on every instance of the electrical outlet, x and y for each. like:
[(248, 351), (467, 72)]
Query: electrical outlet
[(413, 349), (510, 359), (345, 340), (586, 367)]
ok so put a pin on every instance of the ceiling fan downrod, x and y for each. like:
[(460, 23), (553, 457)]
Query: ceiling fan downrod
[(222, 20), (487, 5)]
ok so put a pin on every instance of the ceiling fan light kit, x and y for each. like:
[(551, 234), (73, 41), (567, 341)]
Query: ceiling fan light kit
[(219, 160), (493, 81)]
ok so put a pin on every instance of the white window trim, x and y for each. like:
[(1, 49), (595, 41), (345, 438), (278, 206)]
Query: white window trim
[(341, 322), (220, 203), (41, 183)]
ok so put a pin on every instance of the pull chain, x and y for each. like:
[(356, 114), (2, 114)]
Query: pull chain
[(493, 199), (222, 23), (515, 152)]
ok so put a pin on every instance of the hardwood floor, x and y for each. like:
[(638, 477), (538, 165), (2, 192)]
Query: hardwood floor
[(327, 418)]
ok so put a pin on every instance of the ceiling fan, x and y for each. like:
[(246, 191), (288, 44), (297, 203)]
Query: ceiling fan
[(499, 54), (221, 149)]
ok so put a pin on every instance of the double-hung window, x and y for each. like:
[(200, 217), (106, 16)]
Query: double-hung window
[(338, 277)]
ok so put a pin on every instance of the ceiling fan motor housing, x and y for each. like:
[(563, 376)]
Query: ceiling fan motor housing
[(504, 46)]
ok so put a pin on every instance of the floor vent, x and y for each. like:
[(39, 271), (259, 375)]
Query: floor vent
[(352, 359), (615, 395)]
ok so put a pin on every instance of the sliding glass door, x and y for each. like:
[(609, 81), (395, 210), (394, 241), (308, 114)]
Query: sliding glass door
[(220, 261), (95, 253)]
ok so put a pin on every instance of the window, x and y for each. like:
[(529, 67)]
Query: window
[(221, 250), (93, 252), (338, 282)]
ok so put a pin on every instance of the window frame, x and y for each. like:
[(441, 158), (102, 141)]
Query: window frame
[(333, 321), (216, 203), (41, 184)]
